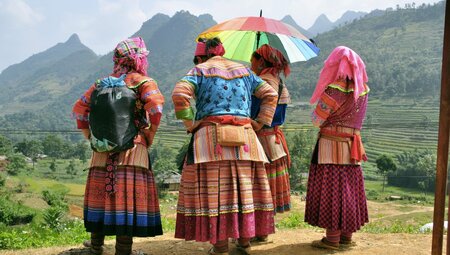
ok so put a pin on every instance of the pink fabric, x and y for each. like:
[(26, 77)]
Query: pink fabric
[(219, 50), (276, 58), (201, 49), (351, 112), (342, 63), (229, 225), (130, 55)]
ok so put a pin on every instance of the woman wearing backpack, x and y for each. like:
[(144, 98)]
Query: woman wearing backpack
[(121, 197), (224, 191), (268, 63)]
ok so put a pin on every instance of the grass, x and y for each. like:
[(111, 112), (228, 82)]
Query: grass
[(406, 223)]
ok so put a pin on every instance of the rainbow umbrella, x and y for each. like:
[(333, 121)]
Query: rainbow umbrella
[(242, 36)]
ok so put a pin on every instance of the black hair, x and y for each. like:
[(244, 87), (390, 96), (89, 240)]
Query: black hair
[(258, 57), (212, 43)]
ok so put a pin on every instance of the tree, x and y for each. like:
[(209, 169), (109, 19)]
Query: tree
[(6, 146), (53, 166), (385, 164), (80, 150), (71, 169), (16, 163), (301, 147), (54, 146), (30, 148)]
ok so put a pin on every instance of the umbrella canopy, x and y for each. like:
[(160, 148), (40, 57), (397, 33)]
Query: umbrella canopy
[(242, 36)]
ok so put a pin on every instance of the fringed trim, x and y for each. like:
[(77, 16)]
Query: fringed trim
[(81, 117)]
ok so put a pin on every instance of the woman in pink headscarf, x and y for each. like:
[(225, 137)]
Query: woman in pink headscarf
[(121, 197), (269, 63), (335, 197)]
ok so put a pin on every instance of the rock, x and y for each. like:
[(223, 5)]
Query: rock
[(429, 227)]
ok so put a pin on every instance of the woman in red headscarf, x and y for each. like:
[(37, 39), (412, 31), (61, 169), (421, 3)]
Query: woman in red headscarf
[(120, 197), (268, 63), (335, 197)]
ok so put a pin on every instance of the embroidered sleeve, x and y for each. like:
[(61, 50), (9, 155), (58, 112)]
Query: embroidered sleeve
[(81, 109), (182, 94), (153, 101), (268, 96), (328, 103)]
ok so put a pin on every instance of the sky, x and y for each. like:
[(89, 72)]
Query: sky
[(28, 27)]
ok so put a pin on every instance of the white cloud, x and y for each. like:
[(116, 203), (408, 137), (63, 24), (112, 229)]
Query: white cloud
[(21, 12)]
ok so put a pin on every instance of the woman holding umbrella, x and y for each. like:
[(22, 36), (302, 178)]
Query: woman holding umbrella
[(335, 197), (224, 190), (268, 63)]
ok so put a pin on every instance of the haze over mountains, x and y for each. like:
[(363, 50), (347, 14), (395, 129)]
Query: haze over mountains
[(46, 84)]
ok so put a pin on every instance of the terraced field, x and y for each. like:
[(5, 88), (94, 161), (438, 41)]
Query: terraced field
[(390, 127)]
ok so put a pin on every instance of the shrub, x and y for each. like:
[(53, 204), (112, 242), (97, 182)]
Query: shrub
[(55, 198), (53, 218), (12, 213)]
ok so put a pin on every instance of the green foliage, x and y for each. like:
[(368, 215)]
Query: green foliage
[(415, 167), (55, 197), (53, 217), (164, 164), (2, 180), (294, 220), (16, 164), (301, 146), (54, 146), (71, 169), (40, 235), (12, 213), (30, 148), (6, 146), (385, 164), (52, 166)]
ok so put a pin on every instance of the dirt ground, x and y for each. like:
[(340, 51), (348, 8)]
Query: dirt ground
[(284, 242)]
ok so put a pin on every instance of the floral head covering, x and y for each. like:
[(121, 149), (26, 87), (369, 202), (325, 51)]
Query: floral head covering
[(276, 58), (130, 55)]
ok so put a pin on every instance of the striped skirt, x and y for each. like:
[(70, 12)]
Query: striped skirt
[(278, 175), (224, 199), (335, 197), (133, 208)]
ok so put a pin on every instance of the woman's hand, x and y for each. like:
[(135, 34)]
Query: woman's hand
[(150, 134), (257, 125)]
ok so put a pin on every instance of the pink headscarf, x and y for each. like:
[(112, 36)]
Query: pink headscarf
[(276, 58), (200, 50), (219, 50), (130, 55), (342, 63)]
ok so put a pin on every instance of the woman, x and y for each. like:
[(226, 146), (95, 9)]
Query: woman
[(335, 197), (125, 202), (224, 190), (268, 63)]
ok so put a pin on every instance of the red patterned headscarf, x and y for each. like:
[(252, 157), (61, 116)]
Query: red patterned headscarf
[(276, 58), (130, 55)]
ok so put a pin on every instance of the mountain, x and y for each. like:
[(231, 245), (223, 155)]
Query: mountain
[(348, 16), (402, 50), (48, 92), (290, 21), (322, 24), (45, 76)]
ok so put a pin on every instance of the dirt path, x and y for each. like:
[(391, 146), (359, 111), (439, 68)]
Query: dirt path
[(286, 242)]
